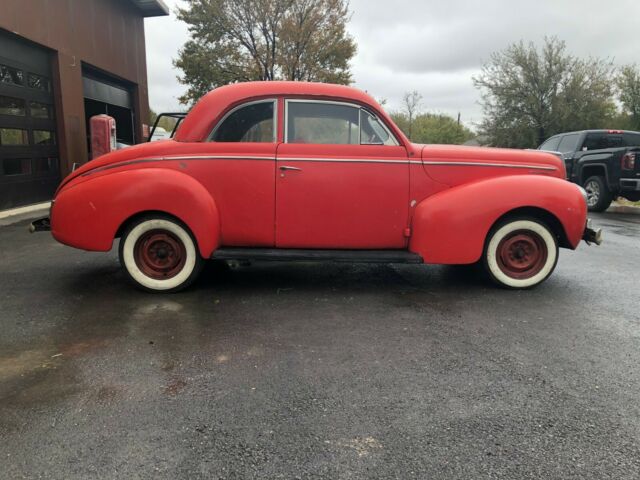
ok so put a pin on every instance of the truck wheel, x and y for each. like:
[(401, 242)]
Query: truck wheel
[(599, 197), (159, 254), (520, 253)]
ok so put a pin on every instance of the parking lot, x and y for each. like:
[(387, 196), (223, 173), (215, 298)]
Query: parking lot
[(319, 371)]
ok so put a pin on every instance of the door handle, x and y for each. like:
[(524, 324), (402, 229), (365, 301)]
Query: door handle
[(287, 167)]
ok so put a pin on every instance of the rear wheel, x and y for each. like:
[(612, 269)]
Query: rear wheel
[(599, 197), (520, 253), (159, 254)]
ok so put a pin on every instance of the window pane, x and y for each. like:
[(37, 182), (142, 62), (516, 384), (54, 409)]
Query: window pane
[(39, 82), (323, 123), (12, 106), (614, 141), (16, 166), (253, 123), (13, 136), (551, 145), (44, 137), (11, 75), (40, 110), (45, 165), (632, 139), (569, 143), (595, 141), (372, 132)]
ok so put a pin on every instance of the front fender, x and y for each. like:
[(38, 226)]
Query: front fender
[(88, 215), (451, 226)]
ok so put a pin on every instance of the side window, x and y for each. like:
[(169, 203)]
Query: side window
[(322, 123), (373, 132), (569, 143), (550, 145), (595, 141), (250, 123), (632, 139), (614, 141)]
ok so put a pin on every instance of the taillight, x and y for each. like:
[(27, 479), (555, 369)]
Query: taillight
[(628, 161)]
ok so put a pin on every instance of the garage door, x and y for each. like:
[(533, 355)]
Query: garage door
[(29, 162)]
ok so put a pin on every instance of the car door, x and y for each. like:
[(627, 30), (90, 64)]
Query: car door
[(568, 146), (238, 169), (342, 179)]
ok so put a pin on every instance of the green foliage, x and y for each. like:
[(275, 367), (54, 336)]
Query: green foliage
[(433, 128), (530, 94), (628, 83), (243, 40)]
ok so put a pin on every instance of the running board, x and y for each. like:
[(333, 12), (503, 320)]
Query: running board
[(294, 254)]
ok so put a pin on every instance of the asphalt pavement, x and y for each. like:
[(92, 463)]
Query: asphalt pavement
[(314, 371)]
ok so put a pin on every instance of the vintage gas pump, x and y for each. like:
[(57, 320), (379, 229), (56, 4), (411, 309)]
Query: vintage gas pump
[(103, 135)]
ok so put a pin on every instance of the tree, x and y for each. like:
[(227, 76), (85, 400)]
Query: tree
[(433, 128), (411, 102), (243, 40), (529, 95), (628, 83)]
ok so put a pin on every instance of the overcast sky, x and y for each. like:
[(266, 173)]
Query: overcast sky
[(435, 46)]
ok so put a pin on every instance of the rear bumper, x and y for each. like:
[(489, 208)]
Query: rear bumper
[(592, 235), (630, 185), (40, 225)]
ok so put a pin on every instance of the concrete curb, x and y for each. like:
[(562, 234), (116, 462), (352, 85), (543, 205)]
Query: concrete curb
[(23, 210), (623, 209), (15, 215)]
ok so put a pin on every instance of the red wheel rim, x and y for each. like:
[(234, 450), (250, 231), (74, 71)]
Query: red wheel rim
[(522, 254), (160, 254)]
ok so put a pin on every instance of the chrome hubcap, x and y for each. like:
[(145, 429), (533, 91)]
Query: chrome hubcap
[(593, 193)]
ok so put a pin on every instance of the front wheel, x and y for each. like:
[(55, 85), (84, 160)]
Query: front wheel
[(520, 253), (159, 254)]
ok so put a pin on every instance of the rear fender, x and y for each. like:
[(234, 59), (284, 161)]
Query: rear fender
[(88, 215), (451, 226)]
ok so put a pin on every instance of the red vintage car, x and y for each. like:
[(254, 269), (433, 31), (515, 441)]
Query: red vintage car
[(309, 171)]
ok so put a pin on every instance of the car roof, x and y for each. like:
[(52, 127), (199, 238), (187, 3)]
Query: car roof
[(612, 131), (200, 121)]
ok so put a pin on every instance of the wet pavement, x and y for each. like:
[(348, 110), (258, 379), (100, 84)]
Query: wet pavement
[(319, 371)]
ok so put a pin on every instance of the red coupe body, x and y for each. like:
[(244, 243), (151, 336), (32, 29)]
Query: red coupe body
[(290, 165)]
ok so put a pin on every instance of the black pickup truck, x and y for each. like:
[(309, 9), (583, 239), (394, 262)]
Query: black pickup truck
[(606, 163)]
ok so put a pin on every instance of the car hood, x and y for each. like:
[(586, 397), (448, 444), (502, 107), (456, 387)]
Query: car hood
[(457, 164)]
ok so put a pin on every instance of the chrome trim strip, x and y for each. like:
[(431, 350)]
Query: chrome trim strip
[(478, 164), (219, 157), (169, 159), (399, 161)]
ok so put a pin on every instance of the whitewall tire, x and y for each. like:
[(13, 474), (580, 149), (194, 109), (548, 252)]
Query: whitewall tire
[(520, 253), (159, 254)]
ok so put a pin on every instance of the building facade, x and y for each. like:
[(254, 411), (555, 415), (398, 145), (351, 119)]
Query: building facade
[(61, 62)]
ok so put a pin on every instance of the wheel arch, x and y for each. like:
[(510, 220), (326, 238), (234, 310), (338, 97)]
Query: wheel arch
[(149, 213), (541, 214), (593, 170)]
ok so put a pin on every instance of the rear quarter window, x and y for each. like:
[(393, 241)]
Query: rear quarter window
[(632, 139)]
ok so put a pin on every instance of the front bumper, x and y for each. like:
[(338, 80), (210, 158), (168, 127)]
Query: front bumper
[(592, 235), (40, 225)]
